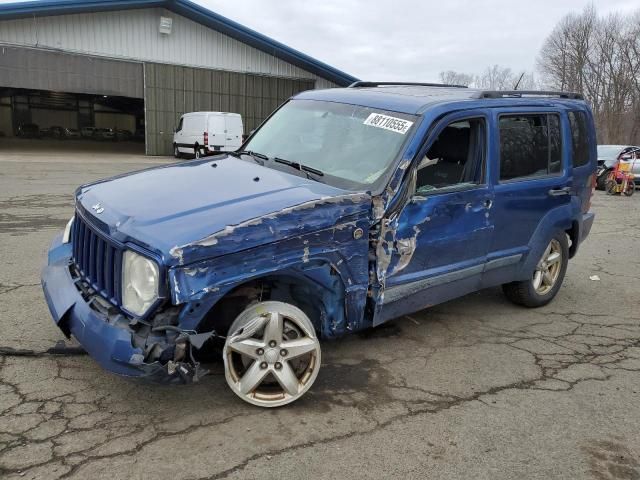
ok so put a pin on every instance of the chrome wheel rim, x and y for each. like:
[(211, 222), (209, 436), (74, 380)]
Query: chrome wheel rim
[(547, 271), (272, 355)]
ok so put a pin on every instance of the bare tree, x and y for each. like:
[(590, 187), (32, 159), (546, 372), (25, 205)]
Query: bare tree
[(451, 77), (494, 77), (598, 57)]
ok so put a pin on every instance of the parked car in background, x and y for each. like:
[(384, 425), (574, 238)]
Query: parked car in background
[(123, 135), (28, 130), (608, 155), (104, 134), (87, 132), (200, 133), (57, 132), (72, 133), (345, 209)]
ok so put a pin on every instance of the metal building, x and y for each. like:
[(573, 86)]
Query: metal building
[(142, 63)]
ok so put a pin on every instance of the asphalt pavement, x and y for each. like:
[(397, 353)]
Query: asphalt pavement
[(476, 388)]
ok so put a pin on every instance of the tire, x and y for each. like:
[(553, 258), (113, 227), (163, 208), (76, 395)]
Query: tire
[(611, 186), (271, 354), (601, 181), (196, 151), (631, 188), (176, 151), (526, 293)]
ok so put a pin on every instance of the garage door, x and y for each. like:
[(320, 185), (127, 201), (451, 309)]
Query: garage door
[(61, 72)]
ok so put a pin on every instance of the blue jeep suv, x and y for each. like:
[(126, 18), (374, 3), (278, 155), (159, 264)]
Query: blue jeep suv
[(345, 209)]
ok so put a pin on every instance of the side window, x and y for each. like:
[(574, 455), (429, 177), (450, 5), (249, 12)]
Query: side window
[(455, 159), (530, 146), (180, 124), (579, 138)]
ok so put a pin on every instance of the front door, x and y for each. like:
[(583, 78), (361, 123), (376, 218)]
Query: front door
[(439, 246)]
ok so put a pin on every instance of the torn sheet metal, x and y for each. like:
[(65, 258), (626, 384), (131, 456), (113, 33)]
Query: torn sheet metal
[(290, 221), (330, 260)]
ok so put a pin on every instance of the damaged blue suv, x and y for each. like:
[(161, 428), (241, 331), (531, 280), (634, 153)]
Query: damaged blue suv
[(346, 208)]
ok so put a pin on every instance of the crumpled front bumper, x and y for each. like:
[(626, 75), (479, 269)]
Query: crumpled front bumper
[(107, 344)]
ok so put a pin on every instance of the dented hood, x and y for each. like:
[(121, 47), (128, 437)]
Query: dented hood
[(194, 210)]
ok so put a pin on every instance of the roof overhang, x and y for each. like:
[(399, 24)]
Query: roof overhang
[(189, 10)]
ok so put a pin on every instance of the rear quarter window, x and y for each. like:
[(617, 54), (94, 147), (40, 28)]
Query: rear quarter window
[(530, 146), (579, 139)]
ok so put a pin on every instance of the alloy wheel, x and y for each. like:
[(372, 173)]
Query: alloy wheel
[(548, 269), (272, 355)]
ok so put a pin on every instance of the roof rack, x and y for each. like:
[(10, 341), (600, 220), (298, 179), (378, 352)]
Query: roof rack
[(528, 93), (362, 84)]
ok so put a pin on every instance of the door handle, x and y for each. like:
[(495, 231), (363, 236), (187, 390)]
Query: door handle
[(558, 192)]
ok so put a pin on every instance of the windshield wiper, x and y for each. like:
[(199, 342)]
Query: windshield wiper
[(257, 157), (299, 166)]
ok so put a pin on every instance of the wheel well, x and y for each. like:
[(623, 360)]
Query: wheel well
[(294, 290), (573, 233)]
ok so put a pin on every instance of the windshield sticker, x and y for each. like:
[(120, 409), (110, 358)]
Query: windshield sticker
[(394, 124)]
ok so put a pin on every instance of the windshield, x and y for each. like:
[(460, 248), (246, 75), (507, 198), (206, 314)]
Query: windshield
[(351, 145), (609, 152)]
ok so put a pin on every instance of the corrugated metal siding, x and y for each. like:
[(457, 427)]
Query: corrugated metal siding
[(61, 72), (171, 91), (133, 34)]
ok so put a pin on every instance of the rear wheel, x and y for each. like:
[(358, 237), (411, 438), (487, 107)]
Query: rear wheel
[(196, 151), (547, 277), (631, 188), (271, 354)]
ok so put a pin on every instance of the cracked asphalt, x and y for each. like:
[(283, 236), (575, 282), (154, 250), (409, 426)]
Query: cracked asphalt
[(476, 388)]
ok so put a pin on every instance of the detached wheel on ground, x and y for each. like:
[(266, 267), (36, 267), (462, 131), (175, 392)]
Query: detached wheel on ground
[(271, 354), (547, 277)]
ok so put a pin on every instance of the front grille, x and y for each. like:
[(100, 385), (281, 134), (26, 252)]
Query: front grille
[(98, 259)]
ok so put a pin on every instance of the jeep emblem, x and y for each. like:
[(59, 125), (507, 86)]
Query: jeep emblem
[(98, 208)]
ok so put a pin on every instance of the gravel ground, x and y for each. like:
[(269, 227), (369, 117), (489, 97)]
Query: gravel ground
[(476, 388)]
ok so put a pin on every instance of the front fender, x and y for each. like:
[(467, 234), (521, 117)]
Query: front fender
[(320, 257)]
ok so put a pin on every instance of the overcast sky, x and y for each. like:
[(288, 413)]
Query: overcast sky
[(411, 40)]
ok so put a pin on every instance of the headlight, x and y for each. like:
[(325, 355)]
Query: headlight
[(66, 236), (139, 282)]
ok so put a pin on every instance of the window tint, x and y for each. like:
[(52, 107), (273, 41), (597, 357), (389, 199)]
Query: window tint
[(455, 159), (579, 138), (530, 146)]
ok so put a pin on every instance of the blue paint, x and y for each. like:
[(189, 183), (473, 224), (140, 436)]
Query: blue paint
[(214, 230), (190, 10)]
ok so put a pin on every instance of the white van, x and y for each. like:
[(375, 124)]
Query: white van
[(200, 133)]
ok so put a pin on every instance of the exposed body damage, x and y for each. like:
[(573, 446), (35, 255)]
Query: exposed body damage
[(335, 236), (329, 259)]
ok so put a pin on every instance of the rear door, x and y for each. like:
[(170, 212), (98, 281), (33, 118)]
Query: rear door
[(531, 178), (583, 157), (216, 129), (233, 128)]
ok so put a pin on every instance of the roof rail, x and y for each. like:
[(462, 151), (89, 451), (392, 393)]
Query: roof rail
[(379, 84), (528, 93)]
